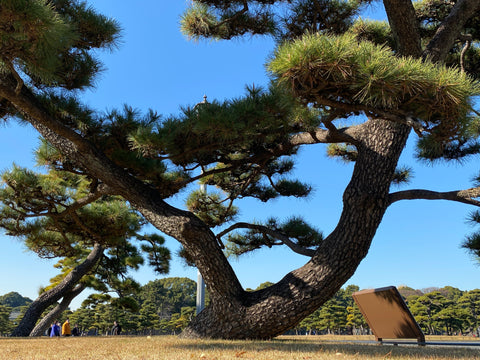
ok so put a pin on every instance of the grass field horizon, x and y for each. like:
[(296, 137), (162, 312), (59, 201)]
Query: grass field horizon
[(316, 347)]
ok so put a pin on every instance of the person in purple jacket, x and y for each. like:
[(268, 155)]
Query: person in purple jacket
[(55, 330)]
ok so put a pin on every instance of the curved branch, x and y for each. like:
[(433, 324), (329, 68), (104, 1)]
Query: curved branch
[(450, 29), (182, 225), (236, 15), (464, 196), (18, 78), (285, 239), (468, 42)]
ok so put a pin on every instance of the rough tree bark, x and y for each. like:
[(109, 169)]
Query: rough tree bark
[(47, 320), (51, 296), (273, 310)]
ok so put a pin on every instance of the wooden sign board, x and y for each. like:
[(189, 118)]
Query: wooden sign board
[(387, 314)]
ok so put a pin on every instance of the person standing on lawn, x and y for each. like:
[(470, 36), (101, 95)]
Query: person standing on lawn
[(66, 330)]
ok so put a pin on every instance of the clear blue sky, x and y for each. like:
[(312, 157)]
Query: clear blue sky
[(417, 244)]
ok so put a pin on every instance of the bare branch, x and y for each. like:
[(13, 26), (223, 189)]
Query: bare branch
[(468, 42), (321, 136), (284, 239), (205, 173), (467, 196)]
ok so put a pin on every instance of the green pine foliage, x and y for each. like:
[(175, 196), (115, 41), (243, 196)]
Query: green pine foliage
[(14, 299), (377, 32), (270, 234), (210, 208), (322, 69), (52, 215), (50, 41), (158, 255), (32, 36), (472, 241), (228, 21), (34, 210), (303, 16), (5, 324), (305, 235), (221, 132), (402, 175), (379, 84)]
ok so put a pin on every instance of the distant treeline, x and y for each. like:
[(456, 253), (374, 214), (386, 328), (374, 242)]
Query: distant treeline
[(165, 306)]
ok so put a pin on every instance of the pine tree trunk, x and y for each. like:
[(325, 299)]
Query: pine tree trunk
[(50, 297), (271, 311), (47, 320)]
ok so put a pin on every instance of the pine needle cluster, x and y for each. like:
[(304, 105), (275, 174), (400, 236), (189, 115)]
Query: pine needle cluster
[(33, 34), (229, 19), (271, 233), (322, 69), (48, 43)]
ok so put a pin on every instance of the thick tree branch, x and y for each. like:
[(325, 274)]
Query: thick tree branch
[(182, 225), (398, 116), (43, 325), (19, 79), (450, 29), (405, 27), (464, 196), (53, 295), (468, 42), (321, 136), (263, 229)]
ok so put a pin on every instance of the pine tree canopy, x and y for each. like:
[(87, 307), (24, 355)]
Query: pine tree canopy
[(361, 88), (341, 72)]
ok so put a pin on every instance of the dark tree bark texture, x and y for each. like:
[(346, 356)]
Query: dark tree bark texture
[(272, 311), (43, 324), (50, 297)]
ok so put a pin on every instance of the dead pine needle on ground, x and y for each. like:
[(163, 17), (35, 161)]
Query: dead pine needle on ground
[(171, 347)]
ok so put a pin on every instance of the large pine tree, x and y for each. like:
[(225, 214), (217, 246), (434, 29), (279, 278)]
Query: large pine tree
[(414, 72)]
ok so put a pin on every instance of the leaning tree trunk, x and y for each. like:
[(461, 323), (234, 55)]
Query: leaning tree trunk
[(272, 311), (50, 297), (47, 320)]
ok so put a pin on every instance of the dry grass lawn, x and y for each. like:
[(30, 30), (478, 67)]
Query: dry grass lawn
[(170, 347)]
